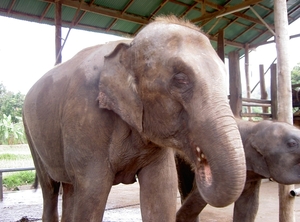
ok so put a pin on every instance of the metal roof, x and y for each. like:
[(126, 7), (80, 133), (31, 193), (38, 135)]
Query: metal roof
[(244, 22)]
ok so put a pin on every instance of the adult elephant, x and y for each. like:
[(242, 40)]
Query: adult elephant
[(113, 111), (272, 150)]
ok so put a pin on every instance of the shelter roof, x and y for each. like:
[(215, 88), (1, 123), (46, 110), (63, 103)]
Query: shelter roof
[(243, 21)]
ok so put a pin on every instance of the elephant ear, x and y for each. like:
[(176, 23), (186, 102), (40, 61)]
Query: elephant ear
[(255, 159), (117, 87)]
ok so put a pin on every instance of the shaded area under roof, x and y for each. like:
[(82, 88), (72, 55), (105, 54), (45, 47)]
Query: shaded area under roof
[(243, 22)]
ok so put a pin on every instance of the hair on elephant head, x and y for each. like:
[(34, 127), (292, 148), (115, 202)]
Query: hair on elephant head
[(113, 111)]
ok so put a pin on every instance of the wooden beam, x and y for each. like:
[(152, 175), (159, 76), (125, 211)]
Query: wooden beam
[(231, 9), (11, 6), (158, 8), (263, 21), (285, 114), (45, 11), (273, 41), (262, 101), (238, 14), (213, 26), (103, 11), (227, 42), (251, 19), (252, 27), (261, 115), (127, 6), (189, 9)]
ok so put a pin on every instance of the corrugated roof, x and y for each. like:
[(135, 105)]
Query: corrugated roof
[(241, 25)]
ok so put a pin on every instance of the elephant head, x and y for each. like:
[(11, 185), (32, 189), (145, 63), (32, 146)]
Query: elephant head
[(168, 84), (273, 150)]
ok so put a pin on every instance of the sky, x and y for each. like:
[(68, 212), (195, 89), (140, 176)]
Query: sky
[(27, 51)]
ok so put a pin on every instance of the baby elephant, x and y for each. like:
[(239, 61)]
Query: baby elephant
[(272, 150)]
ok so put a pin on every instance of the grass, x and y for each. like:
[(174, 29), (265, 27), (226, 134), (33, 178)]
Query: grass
[(17, 156), (14, 157), (17, 179)]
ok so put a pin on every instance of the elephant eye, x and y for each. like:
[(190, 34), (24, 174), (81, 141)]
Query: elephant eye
[(181, 79), (292, 143)]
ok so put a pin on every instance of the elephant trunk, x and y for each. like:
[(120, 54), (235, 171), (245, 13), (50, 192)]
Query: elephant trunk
[(219, 159)]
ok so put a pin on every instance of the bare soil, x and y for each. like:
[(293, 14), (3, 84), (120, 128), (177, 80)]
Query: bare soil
[(123, 205)]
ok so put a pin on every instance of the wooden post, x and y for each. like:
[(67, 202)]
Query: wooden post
[(286, 203), (58, 57), (263, 91), (247, 75), (235, 84), (274, 87), (221, 45)]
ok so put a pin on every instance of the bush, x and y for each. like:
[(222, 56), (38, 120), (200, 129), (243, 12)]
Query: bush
[(14, 180), (10, 132)]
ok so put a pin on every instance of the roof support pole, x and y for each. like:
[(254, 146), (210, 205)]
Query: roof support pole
[(221, 45), (263, 91), (58, 57), (286, 203), (235, 85), (247, 75)]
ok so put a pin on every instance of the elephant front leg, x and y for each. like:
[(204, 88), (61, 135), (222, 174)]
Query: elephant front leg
[(246, 207), (90, 196), (158, 188)]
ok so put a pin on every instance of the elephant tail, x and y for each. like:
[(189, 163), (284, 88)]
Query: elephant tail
[(35, 183)]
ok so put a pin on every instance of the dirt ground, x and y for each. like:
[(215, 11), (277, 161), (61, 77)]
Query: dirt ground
[(123, 205)]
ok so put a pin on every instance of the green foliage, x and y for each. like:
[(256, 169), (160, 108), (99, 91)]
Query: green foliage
[(17, 179), (11, 133), (11, 126), (11, 103), (295, 74)]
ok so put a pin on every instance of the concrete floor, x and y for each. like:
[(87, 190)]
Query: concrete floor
[(123, 205)]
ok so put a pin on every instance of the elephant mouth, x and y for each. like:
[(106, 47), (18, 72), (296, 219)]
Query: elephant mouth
[(203, 170)]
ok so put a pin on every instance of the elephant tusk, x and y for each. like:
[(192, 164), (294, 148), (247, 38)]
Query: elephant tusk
[(201, 155)]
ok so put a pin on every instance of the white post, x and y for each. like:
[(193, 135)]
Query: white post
[(285, 114)]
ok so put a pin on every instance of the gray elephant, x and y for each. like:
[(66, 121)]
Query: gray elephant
[(272, 150), (112, 112)]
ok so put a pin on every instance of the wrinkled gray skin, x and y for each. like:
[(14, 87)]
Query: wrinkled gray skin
[(272, 150), (113, 111)]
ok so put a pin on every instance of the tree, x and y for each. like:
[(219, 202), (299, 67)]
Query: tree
[(11, 104), (11, 125)]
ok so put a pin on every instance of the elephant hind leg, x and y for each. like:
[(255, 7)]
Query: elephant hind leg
[(50, 188), (68, 202), (50, 195)]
